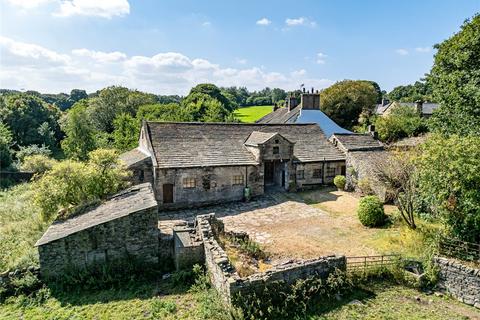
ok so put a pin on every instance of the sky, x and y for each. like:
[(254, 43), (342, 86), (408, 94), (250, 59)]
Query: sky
[(166, 47)]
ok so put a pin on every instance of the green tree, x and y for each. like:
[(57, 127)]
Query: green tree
[(5, 144), (346, 100), (112, 101), (199, 92), (126, 132), (455, 80), (30, 120), (69, 183), (401, 122), (449, 180), (162, 112), (79, 133), (420, 90)]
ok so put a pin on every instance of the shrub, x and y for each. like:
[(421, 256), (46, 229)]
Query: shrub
[(365, 187), (370, 211), (339, 182), (37, 163), (162, 308), (32, 150)]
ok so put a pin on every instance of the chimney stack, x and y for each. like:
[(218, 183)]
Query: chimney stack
[(312, 90), (303, 89)]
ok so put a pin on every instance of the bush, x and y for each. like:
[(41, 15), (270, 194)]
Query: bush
[(32, 150), (37, 163), (339, 182), (370, 211)]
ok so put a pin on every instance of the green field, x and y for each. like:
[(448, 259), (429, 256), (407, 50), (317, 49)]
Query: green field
[(252, 114)]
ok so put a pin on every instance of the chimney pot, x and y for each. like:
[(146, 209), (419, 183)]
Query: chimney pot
[(303, 89)]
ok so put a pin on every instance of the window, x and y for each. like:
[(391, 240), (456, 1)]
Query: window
[(238, 180), (277, 141), (188, 183), (330, 172), (276, 150), (141, 176), (317, 174), (300, 174)]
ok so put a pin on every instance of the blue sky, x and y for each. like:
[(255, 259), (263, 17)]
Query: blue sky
[(168, 46)]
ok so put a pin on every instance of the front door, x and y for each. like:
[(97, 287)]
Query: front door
[(168, 193), (283, 178), (268, 172)]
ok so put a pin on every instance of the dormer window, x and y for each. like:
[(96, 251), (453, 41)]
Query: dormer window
[(276, 150)]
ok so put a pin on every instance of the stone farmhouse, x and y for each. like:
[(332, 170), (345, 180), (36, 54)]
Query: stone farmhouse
[(204, 163)]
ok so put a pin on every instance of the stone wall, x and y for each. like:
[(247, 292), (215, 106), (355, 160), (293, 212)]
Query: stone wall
[(227, 281), (133, 236), (212, 185), (461, 281), (188, 248)]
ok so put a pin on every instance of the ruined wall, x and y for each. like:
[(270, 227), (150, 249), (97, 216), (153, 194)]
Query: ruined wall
[(141, 172), (228, 283), (212, 184), (461, 281), (135, 235)]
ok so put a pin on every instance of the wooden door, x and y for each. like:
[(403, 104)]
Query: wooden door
[(168, 193)]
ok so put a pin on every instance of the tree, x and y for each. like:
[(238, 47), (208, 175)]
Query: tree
[(420, 90), (126, 132), (278, 94), (207, 89), (112, 101), (69, 183), (455, 80), (401, 122), (377, 90), (449, 181), (32, 150), (30, 120), (162, 112), (37, 163), (5, 144), (399, 175), (346, 100), (79, 133)]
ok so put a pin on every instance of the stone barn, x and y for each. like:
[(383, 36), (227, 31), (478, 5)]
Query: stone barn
[(124, 226), (204, 163)]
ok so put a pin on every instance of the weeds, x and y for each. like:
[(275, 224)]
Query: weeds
[(162, 308)]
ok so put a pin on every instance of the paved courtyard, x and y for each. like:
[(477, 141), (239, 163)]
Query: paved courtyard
[(288, 227)]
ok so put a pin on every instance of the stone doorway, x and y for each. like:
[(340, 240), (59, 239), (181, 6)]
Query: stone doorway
[(275, 175)]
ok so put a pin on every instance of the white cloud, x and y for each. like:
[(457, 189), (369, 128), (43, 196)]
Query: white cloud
[(31, 66), (99, 55), (206, 24), (29, 4), (423, 49), (402, 52), (241, 61), (264, 22), (321, 58), (301, 21), (100, 8)]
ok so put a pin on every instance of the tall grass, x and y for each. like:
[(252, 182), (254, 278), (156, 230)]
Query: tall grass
[(20, 227)]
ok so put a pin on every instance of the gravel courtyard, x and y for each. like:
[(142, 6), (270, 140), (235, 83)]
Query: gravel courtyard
[(304, 225)]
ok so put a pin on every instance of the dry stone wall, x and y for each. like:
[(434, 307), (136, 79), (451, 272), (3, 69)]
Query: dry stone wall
[(461, 281), (227, 281)]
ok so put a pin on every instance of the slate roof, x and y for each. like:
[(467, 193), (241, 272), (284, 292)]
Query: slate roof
[(124, 203), (358, 141), (298, 115), (133, 157), (183, 145), (411, 142), (427, 107), (257, 137)]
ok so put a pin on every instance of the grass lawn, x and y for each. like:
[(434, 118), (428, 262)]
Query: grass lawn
[(252, 114), (380, 300)]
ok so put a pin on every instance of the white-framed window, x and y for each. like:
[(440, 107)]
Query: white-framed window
[(237, 180), (188, 183)]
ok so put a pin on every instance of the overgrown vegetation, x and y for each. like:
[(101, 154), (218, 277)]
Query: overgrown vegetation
[(401, 122)]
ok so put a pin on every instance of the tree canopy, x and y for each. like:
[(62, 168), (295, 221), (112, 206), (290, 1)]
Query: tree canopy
[(401, 122), (344, 101), (455, 79)]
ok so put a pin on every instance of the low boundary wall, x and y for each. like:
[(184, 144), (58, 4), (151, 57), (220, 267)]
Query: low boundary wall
[(227, 281), (461, 281)]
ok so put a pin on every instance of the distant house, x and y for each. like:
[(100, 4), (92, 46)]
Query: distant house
[(203, 163), (425, 109), (307, 110), (124, 227)]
